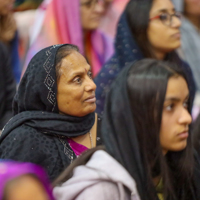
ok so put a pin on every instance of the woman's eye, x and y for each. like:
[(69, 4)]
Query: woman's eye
[(164, 17), (88, 4), (90, 74), (77, 80)]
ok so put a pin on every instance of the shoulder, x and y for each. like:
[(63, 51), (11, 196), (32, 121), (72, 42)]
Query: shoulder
[(105, 190), (27, 141)]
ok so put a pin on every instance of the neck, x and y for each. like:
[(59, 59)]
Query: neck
[(159, 55), (194, 19), (85, 35), (156, 180)]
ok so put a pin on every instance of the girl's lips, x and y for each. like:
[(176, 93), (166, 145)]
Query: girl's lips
[(183, 135), (91, 100)]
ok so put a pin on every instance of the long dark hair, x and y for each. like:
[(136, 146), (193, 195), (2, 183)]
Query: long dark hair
[(147, 84), (137, 12)]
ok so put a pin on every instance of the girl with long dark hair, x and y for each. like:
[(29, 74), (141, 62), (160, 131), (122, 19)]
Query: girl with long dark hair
[(146, 129), (147, 29)]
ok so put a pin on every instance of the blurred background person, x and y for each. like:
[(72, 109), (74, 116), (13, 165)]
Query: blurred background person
[(7, 86), (190, 41), (75, 22), (21, 5), (9, 36), (147, 29), (23, 181), (196, 134), (190, 35)]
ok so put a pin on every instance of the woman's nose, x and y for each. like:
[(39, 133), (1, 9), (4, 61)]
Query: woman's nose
[(90, 85), (100, 6), (176, 22)]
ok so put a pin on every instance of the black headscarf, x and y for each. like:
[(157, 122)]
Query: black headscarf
[(35, 103), (118, 129)]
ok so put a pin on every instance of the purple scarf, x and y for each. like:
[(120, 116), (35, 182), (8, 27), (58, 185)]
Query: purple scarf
[(10, 170)]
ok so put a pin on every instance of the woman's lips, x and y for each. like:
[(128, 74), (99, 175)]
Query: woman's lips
[(183, 135), (177, 35), (91, 99)]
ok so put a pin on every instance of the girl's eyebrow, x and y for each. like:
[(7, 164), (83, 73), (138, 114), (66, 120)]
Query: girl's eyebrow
[(176, 99), (173, 99)]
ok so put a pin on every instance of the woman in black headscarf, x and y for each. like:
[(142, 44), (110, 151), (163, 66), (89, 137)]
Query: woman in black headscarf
[(146, 128), (54, 108)]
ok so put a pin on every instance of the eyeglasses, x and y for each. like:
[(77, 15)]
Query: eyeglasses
[(166, 18), (92, 3)]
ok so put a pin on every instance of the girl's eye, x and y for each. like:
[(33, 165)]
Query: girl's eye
[(169, 107), (185, 104)]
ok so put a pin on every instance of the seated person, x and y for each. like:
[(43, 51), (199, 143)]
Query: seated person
[(54, 109)]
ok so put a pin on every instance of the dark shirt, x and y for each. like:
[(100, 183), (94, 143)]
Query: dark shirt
[(7, 86)]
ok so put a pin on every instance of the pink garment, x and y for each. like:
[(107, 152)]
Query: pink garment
[(77, 148), (61, 24)]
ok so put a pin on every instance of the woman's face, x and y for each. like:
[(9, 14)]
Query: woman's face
[(26, 187), (75, 88), (192, 7), (163, 38), (6, 6), (175, 116), (92, 12)]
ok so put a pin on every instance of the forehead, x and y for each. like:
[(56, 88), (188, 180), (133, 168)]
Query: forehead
[(73, 63), (159, 5), (177, 87)]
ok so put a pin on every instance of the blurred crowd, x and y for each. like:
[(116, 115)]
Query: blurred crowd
[(99, 99)]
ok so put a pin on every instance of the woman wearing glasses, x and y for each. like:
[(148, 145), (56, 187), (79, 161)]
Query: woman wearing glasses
[(147, 29), (73, 22)]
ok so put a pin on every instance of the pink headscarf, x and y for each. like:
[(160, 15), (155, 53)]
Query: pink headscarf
[(61, 24)]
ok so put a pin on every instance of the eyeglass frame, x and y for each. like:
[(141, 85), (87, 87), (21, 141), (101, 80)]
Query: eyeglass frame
[(176, 14), (96, 2)]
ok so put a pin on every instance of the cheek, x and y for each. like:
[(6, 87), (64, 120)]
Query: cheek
[(157, 36), (85, 18), (167, 130)]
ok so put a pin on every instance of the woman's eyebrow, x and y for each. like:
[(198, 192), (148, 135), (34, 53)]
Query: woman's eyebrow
[(77, 73), (166, 10)]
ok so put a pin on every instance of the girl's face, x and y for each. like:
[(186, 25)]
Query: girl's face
[(26, 187), (175, 116), (192, 7), (163, 35)]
